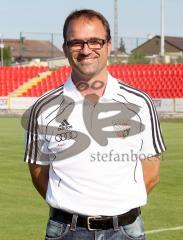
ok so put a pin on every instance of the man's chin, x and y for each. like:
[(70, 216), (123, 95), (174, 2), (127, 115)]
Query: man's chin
[(87, 72)]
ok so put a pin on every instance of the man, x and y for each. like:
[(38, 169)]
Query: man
[(94, 144)]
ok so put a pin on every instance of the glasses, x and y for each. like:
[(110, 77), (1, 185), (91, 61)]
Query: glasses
[(93, 44)]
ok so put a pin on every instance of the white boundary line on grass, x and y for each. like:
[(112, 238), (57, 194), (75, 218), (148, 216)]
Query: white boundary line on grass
[(164, 230)]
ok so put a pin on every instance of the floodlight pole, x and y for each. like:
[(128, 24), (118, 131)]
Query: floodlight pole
[(52, 50), (115, 25), (162, 30), (2, 46)]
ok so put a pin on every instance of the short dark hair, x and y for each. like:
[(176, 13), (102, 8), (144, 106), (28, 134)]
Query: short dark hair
[(88, 14)]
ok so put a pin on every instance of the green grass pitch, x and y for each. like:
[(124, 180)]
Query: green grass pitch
[(23, 214)]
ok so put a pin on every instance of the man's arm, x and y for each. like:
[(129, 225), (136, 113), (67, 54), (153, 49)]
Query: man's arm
[(40, 176), (151, 171)]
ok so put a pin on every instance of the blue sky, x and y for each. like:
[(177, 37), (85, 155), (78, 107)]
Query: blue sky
[(137, 18)]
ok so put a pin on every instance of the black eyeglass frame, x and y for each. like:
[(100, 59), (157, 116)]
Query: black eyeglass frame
[(82, 42)]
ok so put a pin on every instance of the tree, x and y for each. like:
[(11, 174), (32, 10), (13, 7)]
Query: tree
[(137, 57), (6, 56), (121, 48)]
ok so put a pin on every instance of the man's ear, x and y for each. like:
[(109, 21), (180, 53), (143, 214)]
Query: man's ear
[(109, 47), (65, 49)]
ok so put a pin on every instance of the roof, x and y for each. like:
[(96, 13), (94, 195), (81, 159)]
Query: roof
[(32, 48), (176, 42)]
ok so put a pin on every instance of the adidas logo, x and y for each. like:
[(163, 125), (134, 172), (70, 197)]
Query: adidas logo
[(64, 125)]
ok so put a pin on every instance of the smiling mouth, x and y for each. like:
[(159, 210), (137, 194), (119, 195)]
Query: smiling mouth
[(86, 60)]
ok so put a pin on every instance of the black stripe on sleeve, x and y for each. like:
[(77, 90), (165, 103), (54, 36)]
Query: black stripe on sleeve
[(33, 124), (157, 138)]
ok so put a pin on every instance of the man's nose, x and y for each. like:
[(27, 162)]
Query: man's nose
[(85, 49)]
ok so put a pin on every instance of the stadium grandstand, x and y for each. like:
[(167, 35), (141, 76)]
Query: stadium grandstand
[(160, 81)]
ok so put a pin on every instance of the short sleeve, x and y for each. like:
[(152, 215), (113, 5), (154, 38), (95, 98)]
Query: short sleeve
[(151, 137), (36, 145)]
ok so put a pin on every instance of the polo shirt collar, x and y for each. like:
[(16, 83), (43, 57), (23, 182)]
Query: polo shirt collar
[(70, 89)]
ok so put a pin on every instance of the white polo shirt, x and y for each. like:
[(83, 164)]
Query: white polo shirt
[(94, 150)]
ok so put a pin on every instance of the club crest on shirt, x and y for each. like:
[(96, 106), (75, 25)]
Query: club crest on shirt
[(121, 128)]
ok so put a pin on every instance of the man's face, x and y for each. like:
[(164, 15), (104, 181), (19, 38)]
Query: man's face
[(87, 62)]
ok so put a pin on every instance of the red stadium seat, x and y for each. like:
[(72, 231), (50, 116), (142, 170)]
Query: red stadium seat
[(13, 77), (159, 80)]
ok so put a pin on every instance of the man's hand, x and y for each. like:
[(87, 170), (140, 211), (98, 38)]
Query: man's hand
[(151, 170), (40, 176)]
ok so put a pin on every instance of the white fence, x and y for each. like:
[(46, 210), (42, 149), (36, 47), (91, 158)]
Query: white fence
[(22, 103)]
